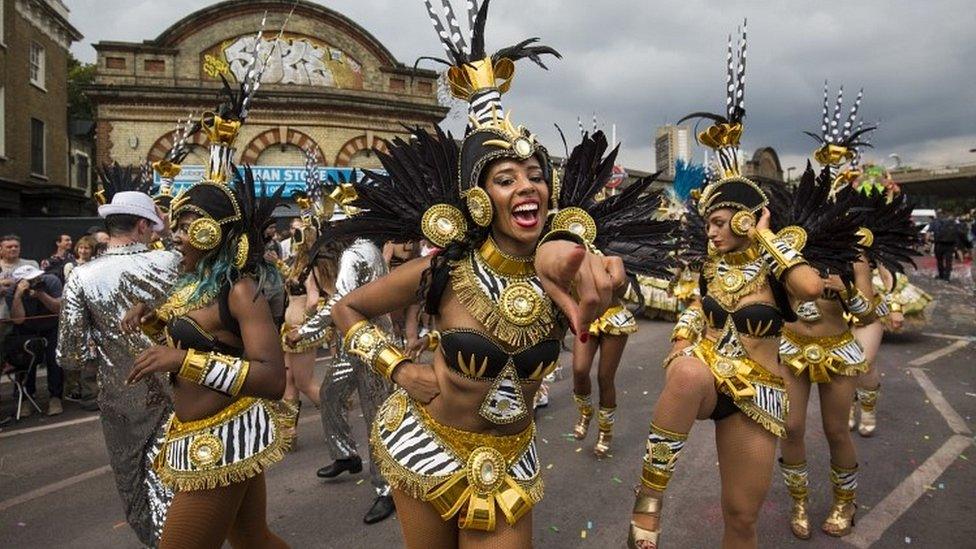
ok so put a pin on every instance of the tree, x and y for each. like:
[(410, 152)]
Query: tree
[(80, 76)]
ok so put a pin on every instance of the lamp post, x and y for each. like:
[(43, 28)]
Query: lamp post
[(789, 173)]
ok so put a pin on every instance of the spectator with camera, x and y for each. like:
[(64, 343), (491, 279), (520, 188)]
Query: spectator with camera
[(61, 258), (34, 305)]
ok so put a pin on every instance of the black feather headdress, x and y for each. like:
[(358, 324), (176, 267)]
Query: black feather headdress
[(826, 218), (888, 236), (624, 224), (256, 209), (113, 178)]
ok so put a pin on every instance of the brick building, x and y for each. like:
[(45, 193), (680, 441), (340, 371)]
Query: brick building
[(329, 85), (34, 39)]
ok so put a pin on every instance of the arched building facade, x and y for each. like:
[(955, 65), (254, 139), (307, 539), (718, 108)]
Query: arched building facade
[(329, 86)]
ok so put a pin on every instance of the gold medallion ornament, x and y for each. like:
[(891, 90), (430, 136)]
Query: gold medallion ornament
[(443, 223), (743, 221), (724, 368), (733, 280), (486, 470), (394, 411), (814, 353), (243, 247), (866, 237), (520, 304), (577, 221), (661, 451), (479, 206), (522, 147), (204, 233), (794, 235), (206, 450)]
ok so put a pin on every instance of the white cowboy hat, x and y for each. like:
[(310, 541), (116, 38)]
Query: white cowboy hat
[(26, 272), (133, 203)]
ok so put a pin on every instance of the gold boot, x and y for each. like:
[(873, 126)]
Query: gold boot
[(293, 408), (869, 419), (840, 519), (605, 418), (585, 409), (797, 483)]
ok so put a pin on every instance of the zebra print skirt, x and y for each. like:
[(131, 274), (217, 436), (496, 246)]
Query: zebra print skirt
[(822, 357), (472, 475), (233, 445), (616, 321)]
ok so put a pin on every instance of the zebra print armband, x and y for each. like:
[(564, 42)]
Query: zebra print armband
[(222, 373), (690, 325), (780, 254)]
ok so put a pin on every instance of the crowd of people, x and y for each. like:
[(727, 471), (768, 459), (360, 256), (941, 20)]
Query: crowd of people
[(442, 288)]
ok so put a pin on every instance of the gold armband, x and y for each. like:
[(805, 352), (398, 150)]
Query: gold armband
[(690, 325), (895, 306), (366, 341), (433, 340), (780, 255), (222, 373)]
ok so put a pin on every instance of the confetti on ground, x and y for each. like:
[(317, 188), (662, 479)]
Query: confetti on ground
[(963, 456), (908, 540), (358, 482), (544, 441), (21, 524), (589, 525), (582, 534), (926, 437), (971, 394), (548, 467), (554, 529), (645, 393), (578, 450), (941, 486), (617, 480), (119, 525)]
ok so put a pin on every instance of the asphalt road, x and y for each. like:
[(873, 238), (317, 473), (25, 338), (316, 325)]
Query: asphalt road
[(916, 484)]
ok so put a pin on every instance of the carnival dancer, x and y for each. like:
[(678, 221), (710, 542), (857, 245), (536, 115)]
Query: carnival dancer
[(222, 351), (456, 439), (304, 291), (724, 364), (889, 240), (344, 264), (95, 299)]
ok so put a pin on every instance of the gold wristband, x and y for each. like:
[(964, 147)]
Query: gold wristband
[(433, 340), (193, 366), (366, 341), (895, 307)]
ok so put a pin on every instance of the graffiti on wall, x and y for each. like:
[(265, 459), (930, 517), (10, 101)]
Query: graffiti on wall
[(291, 59)]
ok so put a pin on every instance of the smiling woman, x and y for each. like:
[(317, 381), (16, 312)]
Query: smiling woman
[(456, 438)]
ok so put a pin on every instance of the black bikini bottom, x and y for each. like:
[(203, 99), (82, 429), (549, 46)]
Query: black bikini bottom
[(724, 407)]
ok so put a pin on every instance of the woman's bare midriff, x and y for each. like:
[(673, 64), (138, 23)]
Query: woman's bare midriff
[(831, 321)]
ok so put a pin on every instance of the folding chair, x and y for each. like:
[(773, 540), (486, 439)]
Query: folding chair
[(27, 355)]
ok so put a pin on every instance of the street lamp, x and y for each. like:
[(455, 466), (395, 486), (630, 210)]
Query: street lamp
[(789, 173)]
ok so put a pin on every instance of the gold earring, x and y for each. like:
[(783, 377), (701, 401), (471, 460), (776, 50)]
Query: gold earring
[(443, 223), (204, 233), (742, 222), (243, 247), (479, 206)]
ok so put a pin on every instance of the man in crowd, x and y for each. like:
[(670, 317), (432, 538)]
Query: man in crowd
[(34, 305), (947, 234), (62, 256), (97, 297)]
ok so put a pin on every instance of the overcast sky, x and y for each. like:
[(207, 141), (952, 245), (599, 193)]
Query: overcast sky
[(641, 63)]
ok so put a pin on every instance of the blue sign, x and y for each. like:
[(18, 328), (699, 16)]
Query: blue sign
[(292, 177)]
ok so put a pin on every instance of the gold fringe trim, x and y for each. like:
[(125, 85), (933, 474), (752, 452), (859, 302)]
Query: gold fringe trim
[(775, 426), (487, 312), (184, 481), (179, 302), (831, 364)]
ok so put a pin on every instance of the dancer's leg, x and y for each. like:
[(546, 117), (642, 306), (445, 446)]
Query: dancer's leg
[(201, 519), (421, 525), (746, 453), (503, 537), (250, 527)]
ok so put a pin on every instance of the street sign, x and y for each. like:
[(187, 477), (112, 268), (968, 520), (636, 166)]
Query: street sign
[(292, 177)]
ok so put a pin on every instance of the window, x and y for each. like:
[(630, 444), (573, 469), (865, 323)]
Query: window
[(37, 164), (81, 170), (117, 63), (37, 65), (398, 84), (154, 65)]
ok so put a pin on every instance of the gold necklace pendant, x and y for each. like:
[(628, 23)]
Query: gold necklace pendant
[(520, 304), (733, 280)]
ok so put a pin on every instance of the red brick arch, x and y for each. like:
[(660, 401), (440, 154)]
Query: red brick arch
[(357, 144), (165, 143), (277, 136)]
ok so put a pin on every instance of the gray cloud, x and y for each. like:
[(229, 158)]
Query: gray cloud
[(638, 64)]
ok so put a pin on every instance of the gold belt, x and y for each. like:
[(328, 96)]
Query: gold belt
[(736, 375), (484, 481), (814, 355)]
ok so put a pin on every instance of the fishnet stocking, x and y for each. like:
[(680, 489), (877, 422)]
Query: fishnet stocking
[(870, 339), (835, 406), (746, 453), (203, 519)]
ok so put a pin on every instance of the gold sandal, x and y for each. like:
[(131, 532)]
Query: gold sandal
[(642, 538), (840, 520)]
